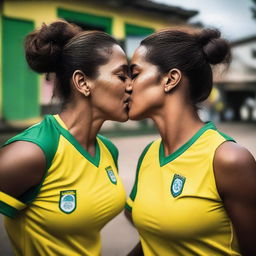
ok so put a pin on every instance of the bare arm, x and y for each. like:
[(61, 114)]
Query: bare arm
[(137, 250), (22, 165), (235, 172)]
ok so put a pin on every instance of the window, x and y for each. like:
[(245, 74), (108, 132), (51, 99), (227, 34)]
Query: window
[(134, 35)]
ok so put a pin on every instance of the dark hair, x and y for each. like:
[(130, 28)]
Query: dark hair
[(191, 53), (62, 48)]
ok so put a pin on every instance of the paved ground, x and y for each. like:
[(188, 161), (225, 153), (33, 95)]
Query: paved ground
[(118, 236)]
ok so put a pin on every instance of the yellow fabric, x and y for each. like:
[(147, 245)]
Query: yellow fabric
[(191, 223), (129, 202), (45, 229), (11, 201), (57, 117)]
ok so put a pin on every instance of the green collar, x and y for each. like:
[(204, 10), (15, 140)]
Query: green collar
[(63, 130), (165, 160)]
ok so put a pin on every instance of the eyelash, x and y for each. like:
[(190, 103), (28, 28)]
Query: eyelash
[(134, 75), (122, 78)]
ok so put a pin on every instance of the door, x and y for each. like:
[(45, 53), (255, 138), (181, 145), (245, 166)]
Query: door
[(20, 84)]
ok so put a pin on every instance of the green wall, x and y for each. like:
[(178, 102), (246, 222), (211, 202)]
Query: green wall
[(87, 19), (134, 30), (20, 84)]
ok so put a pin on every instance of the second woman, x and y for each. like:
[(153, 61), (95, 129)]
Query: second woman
[(195, 188)]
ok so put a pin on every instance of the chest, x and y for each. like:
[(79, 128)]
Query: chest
[(76, 194), (179, 199)]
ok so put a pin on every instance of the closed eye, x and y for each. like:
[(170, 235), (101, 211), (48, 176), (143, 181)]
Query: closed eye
[(122, 77), (134, 75)]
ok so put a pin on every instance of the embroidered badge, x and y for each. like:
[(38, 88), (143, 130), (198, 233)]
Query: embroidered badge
[(177, 185), (67, 201), (111, 174)]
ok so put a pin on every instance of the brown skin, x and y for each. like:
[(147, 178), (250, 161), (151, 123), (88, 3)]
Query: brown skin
[(93, 102), (235, 173), (18, 162), (165, 100)]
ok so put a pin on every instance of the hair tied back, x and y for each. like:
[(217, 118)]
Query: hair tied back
[(216, 49)]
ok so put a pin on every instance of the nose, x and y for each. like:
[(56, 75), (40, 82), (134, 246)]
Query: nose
[(128, 87)]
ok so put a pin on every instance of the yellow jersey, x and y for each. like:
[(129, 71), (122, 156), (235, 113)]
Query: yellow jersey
[(77, 196), (175, 203)]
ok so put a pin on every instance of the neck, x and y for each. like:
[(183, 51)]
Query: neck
[(82, 123), (176, 123)]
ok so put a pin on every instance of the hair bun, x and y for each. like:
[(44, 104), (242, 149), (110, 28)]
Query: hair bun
[(215, 48), (43, 47)]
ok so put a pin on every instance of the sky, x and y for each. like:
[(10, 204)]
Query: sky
[(232, 17)]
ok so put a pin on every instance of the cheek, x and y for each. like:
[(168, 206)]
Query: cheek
[(150, 97), (118, 90), (110, 91), (146, 99), (147, 89), (109, 99)]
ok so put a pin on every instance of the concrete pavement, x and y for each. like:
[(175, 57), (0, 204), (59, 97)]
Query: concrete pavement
[(118, 236)]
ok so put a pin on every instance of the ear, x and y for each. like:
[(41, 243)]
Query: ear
[(80, 82), (172, 79)]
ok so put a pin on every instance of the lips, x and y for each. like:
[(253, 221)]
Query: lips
[(126, 102)]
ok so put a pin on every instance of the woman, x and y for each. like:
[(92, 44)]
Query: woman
[(62, 186), (195, 188)]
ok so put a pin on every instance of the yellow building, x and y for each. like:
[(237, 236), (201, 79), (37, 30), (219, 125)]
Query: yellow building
[(21, 96)]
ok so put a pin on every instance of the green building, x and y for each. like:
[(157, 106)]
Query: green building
[(24, 95)]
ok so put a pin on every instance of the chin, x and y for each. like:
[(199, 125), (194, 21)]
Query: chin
[(122, 118), (135, 116)]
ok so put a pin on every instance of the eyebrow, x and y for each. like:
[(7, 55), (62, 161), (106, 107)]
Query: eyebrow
[(133, 66), (124, 67)]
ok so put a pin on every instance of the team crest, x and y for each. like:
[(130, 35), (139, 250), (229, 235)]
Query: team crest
[(67, 201), (111, 174), (177, 185)]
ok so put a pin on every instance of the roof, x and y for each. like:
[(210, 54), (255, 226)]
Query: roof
[(244, 40), (154, 7)]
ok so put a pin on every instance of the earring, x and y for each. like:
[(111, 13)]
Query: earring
[(167, 89), (86, 93)]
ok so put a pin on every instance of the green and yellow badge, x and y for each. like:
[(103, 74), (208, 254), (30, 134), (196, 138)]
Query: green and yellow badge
[(111, 174), (67, 202), (177, 185)]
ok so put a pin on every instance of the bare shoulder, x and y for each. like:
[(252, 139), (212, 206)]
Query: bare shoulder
[(22, 165), (234, 167), (235, 175)]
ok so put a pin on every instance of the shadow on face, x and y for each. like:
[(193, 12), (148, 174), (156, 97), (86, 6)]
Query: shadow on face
[(109, 98), (147, 93)]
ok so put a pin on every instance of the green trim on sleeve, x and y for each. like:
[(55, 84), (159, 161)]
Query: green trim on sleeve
[(46, 136), (43, 135), (134, 189), (7, 210), (226, 137), (128, 207), (32, 140), (111, 147)]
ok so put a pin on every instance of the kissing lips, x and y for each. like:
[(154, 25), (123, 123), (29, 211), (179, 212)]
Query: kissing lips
[(127, 104)]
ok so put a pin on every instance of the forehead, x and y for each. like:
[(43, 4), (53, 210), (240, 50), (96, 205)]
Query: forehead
[(116, 61), (117, 57), (139, 55)]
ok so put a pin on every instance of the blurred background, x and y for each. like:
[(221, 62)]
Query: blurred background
[(26, 97)]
